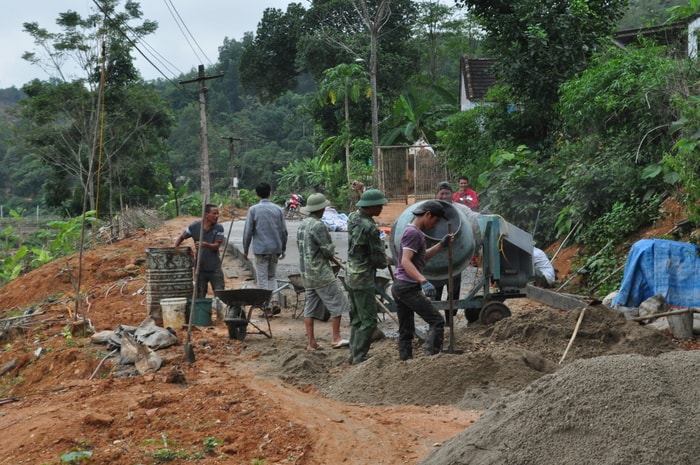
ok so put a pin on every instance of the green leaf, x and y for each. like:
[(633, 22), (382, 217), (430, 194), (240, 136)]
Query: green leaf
[(651, 171)]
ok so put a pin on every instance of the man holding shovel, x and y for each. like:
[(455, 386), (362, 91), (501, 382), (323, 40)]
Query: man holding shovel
[(323, 290), (212, 237), (411, 290), (366, 253)]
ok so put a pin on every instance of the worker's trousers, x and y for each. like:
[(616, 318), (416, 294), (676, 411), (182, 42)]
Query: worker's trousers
[(410, 300)]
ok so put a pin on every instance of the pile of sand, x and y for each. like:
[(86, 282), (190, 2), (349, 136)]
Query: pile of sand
[(624, 409)]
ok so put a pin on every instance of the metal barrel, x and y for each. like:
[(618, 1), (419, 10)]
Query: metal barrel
[(168, 275)]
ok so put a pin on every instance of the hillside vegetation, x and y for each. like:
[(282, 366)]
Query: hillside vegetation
[(579, 139)]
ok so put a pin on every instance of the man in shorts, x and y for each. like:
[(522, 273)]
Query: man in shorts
[(323, 290)]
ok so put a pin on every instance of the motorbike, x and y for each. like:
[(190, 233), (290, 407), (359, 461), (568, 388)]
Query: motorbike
[(292, 205)]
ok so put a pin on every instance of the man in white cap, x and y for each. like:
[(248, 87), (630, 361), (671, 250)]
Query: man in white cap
[(323, 290)]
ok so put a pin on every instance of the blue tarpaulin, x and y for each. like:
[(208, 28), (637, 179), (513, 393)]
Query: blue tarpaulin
[(658, 266)]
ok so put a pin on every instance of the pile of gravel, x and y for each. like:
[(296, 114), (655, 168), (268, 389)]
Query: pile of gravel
[(608, 410)]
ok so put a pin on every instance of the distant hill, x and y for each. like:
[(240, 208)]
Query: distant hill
[(9, 98)]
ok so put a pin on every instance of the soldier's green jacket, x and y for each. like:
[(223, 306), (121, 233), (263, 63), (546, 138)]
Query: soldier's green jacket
[(366, 251), (315, 249)]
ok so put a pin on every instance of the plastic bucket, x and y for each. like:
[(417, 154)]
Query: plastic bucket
[(202, 312), (174, 311), (168, 275)]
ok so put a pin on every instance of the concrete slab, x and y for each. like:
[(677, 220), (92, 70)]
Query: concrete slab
[(290, 263)]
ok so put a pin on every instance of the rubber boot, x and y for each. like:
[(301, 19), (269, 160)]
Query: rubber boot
[(351, 345), (405, 350), (434, 343), (363, 339)]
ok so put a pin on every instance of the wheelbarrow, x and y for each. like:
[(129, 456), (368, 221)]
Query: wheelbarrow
[(237, 319), (299, 289), (295, 280)]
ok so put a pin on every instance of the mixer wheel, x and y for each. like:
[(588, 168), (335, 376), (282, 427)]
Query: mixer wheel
[(493, 312)]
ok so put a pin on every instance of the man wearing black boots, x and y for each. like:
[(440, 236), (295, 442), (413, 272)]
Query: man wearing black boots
[(366, 254), (412, 290)]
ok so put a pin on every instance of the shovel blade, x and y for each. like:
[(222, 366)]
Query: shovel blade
[(189, 352)]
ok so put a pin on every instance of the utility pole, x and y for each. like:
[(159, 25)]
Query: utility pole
[(203, 144), (234, 171)]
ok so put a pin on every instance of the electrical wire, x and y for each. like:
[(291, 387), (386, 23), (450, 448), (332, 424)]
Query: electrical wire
[(118, 28), (179, 21)]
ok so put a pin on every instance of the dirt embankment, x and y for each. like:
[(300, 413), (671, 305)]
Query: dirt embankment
[(271, 401)]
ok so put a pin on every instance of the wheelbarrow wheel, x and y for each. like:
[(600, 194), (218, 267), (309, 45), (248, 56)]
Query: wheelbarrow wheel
[(493, 312), (237, 328)]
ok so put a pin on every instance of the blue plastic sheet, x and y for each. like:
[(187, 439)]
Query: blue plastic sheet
[(336, 222), (658, 266)]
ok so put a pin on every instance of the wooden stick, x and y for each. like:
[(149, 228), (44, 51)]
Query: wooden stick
[(660, 315), (594, 288), (28, 315), (386, 310), (564, 241), (583, 267), (450, 284), (573, 336)]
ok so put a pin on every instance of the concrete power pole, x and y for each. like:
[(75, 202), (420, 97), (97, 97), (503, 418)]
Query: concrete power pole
[(203, 134), (234, 171)]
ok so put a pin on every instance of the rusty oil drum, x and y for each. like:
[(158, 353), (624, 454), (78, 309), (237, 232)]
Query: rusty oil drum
[(168, 275)]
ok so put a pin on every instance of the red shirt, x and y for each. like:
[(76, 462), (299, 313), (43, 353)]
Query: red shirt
[(468, 198)]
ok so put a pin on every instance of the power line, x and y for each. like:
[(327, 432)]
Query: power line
[(180, 24), (133, 43)]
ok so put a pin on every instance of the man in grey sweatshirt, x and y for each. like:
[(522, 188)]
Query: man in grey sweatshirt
[(266, 229)]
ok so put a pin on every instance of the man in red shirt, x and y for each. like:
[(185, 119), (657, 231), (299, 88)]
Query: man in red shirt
[(465, 195)]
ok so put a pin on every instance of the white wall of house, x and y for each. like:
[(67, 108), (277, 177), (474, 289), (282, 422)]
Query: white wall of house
[(693, 38)]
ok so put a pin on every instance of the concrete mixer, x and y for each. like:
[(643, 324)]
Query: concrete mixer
[(506, 257)]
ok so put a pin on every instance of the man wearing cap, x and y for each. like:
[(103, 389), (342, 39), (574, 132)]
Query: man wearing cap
[(323, 290), (411, 290), (366, 254)]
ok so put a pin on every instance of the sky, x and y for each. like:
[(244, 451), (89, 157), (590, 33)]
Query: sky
[(208, 23)]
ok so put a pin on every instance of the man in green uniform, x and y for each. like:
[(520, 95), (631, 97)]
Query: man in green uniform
[(366, 253)]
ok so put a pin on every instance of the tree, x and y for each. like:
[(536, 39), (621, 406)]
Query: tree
[(540, 44), (64, 117), (374, 19), (268, 64), (334, 32), (443, 34), (684, 158), (418, 113), (347, 82)]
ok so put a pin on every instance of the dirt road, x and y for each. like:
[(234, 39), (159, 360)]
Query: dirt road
[(261, 400)]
